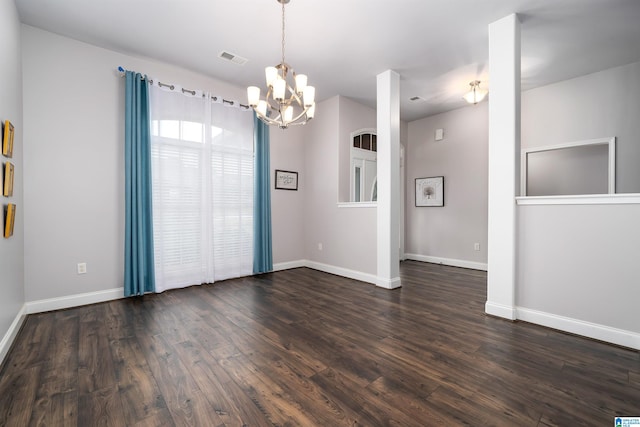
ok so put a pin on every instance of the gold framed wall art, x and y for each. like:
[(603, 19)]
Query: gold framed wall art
[(9, 220), (7, 140), (7, 190)]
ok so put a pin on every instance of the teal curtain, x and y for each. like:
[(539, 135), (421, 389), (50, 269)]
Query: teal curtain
[(139, 276), (262, 256)]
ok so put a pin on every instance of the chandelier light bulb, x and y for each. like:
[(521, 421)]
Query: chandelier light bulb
[(261, 109), (279, 88), (253, 95), (309, 96), (301, 83), (288, 114), (271, 74), (311, 111)]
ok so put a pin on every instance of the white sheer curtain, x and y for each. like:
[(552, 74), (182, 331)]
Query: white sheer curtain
[(202, 180)]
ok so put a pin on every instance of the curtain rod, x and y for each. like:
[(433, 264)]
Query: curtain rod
[(122, 71)]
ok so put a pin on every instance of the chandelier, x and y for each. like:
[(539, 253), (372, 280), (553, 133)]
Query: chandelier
[(476, 94), (289, 100)]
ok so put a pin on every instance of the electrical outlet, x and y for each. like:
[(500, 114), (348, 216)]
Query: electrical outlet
[(319, 246), (82, 268), (476, 246)]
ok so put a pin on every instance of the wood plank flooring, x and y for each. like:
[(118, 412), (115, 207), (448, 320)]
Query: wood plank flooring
[(306, 348)]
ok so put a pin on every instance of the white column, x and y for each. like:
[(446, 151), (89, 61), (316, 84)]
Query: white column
[(388, 179), (504, 161)]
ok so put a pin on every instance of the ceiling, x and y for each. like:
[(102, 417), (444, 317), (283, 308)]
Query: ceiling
[(437, 46)]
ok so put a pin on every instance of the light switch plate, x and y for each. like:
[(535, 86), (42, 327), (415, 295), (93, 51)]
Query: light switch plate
[(439, 134)]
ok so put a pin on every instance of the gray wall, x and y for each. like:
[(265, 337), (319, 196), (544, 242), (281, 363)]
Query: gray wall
[(348, 235), (12, 249), (576, 264), (579, 262), (353, 117), (462, 158), (74, 166), (75, 172), (287, 207), (597, 105)]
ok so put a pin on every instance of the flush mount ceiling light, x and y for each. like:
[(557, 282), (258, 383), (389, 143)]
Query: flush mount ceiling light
[(289, 100), (476, 94)]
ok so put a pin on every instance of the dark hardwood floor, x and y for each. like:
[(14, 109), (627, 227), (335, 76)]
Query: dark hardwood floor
[(305, 348)]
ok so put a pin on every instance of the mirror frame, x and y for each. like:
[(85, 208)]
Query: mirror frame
[(610, 141)]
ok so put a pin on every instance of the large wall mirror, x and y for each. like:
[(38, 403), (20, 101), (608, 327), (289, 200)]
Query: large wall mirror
[(363, 166), (576, 168)]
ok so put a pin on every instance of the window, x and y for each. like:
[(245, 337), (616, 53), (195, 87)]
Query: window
[(364, 168), (202, 178), (365, 140)]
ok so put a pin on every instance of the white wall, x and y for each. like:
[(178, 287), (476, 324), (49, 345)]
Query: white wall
[(11, 249), (447, 234), (597, 105), (74, 163)]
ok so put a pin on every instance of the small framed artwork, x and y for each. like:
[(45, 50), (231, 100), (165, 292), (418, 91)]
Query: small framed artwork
[(8, 180), (7, 141), (9, 219), (286, 180), (430, 191)]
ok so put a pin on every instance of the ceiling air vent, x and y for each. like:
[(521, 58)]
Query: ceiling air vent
[(232, 57)]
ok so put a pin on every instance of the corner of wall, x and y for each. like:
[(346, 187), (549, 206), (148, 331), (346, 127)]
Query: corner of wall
[(12, 332)]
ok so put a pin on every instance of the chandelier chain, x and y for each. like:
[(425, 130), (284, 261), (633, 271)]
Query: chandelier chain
[(283, 32)]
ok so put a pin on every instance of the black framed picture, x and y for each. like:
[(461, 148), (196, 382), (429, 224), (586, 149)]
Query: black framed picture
[(286, 180)]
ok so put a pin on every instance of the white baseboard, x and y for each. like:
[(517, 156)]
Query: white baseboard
[(500, 310), (591, 330), (448, 261), (289, 265), (68, 301), (345, 272), (389, 283), (11, 334), (340, 271), (579, 327)]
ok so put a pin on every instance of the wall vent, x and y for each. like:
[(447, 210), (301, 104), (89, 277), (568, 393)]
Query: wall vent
[(239, 60)]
